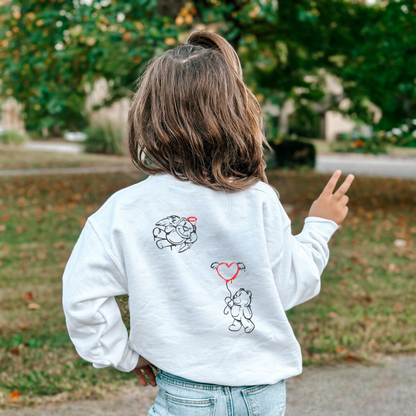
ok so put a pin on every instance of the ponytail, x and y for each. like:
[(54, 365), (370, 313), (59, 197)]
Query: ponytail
[(210, 40)]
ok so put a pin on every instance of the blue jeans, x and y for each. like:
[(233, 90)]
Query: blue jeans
[(180, 397)]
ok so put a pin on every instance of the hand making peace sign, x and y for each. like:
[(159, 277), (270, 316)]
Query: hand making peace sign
[(332, 206)]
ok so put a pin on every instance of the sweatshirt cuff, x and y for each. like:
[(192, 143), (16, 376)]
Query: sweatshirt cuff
[(325, 228), (127, 363)]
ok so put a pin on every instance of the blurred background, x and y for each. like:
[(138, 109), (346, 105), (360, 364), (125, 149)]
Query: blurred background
[(337, 84)]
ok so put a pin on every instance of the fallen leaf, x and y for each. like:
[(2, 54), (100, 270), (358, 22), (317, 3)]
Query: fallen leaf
[(2, 228), (28, 296), (42, 256), (33, 306), (14, 351), (397, 308), (341, 349), (23, 326), (76, 197), (333, 314), (367, 320), (14, 396)]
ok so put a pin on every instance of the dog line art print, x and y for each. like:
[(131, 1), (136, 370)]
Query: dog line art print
[(174, 231), (239, 304)]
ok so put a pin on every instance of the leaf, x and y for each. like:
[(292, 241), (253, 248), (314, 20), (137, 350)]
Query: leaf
[(340, 349), (33, 306), (28, 296), (352, 358), (15, 396), (14, 351), (23, 326), (76, 197), (397, 308)]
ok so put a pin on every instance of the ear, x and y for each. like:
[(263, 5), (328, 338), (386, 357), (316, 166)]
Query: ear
[(214, 265), (241, 266), (167, 221), (248, 293)]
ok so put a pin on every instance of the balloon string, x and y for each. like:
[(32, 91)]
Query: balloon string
[(226, 284)]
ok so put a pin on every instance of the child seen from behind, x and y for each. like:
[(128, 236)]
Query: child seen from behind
[(203, 247)]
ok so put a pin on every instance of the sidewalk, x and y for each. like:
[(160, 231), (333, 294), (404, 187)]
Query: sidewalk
[(358, 164), (341, 390), (368, 165)]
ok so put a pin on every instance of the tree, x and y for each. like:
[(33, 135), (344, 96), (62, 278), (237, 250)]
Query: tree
[(51, 50)]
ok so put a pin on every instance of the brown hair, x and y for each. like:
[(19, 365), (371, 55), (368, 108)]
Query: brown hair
[(194, 117)]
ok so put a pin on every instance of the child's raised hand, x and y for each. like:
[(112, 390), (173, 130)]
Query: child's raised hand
[(332, 206), (146, 367)]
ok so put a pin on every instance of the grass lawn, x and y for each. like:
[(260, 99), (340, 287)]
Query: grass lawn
[(16, 157), (366, 307)]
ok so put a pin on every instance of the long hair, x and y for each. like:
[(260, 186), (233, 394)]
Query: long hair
[(193, 117)]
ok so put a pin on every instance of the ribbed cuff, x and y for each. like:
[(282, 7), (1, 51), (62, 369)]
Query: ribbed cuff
[(325, 228), (127, 363), (129, 360)]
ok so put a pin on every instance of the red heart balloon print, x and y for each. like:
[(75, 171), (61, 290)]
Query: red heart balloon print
[(228, 272)]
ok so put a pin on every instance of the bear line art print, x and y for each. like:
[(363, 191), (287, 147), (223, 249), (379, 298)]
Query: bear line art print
[(174, 231), (239, 304)]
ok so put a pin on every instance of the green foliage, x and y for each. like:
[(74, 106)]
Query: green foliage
[(304, 123), (12, 136), (381, 63), (104, 139), (52, 51), (349, 143), (293, 153)]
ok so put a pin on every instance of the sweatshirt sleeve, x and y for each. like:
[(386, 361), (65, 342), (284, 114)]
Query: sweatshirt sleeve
[(91, 279), (298, 273)]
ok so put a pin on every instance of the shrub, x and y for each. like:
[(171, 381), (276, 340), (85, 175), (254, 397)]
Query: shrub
[(358, 143), (105, 138), (293, 153), (12, 136)]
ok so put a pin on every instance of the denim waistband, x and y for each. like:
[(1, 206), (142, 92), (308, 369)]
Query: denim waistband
[(183, 382)]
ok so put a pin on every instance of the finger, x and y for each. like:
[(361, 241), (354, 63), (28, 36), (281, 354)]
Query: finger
[(150, 375), (330, 186), (345, 200), (141, 378), (344, 187)]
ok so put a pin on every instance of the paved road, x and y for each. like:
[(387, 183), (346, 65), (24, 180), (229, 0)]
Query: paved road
[(358, 164), (58, 147), (368, 165), (342, 390)]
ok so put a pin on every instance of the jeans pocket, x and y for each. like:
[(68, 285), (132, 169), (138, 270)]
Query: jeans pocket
[(181, 406), (267, 400)]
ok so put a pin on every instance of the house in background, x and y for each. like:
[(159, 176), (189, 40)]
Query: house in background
[(330, 122), (11, 116)]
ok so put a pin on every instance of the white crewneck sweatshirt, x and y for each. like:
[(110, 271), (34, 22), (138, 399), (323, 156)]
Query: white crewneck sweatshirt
[(209, 276)]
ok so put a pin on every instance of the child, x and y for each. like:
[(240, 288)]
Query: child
[(203, 247)]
